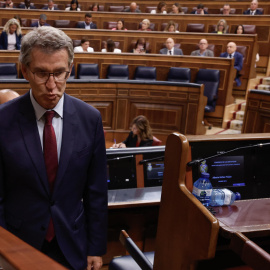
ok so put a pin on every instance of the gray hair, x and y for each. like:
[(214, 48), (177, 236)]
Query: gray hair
[(11, 22), (48, 40)]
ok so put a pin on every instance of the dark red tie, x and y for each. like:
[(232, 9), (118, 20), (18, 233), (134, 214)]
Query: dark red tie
[(51, 160)]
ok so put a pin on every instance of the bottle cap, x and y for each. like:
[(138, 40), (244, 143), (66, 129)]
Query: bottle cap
[(205, 175), (237, 196)]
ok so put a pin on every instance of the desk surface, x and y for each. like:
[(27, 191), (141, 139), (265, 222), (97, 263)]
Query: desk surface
[(250, 217)]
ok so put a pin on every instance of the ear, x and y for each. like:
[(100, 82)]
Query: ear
[(25, 72), (70, 70)]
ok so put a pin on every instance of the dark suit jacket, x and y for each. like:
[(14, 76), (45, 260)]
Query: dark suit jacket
[(194, 12), (4, 41), (208, 53), (35, 24), (23, 6), (25, 199), (238, 64), (176, 51), (247, 12), (128, 10), (55, 8), (82, 25), (131, 141)]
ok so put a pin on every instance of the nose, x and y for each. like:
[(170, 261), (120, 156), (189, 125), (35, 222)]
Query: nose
[(50, 84)]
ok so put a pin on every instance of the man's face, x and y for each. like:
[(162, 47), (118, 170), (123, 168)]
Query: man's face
[(199, 10), (169, 43), (50, 5), (253, 5), (42, 22), (88, 20), (133, 7), (226, 10), (203, 44), (47, 94), (231, 48), (85, 45)]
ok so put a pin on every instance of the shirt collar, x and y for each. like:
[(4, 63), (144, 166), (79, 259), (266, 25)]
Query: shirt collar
[(39, 110)]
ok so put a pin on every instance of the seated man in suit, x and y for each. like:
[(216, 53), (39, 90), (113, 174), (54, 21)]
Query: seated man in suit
[(41, 21), (8, 4), (87, 24), (203, 51), (26, 5), (238, 60), (253, 9), (132, 8), (200, 10), (226, 9), (170, 50), (50, 6), (7, 95)]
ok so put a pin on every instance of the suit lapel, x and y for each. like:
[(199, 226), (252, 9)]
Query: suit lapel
[(68, 138), (28, 126)]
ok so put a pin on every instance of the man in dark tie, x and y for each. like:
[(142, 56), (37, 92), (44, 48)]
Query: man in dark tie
[(53, 183), (238, 60), (170, 49), (253, 10), (87, 24)]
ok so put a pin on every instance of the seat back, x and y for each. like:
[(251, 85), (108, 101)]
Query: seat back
[(109, 25), (145, 73), (177, 74), (249, 28), (119, 72), (76, 42), (116, 8), (210, 79), (72, 74), (195, 27), (88, 71), (149, 9), (156, 141), (8, 71), (64, 24)]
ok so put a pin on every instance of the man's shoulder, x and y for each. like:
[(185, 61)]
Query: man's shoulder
[(247, 11), (80, 25), (223, 54), (163, 50)]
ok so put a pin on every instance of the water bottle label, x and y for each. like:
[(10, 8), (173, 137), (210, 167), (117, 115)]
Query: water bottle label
[(227, 197), (203, 195)]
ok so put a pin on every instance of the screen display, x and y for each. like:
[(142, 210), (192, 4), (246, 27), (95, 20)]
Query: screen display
[(153, 173)]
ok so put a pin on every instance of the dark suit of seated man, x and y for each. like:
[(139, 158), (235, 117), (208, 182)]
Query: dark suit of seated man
[(50, 6), (41, 21), (87, 24), (26, 5), (53, 191), (170, 50), (253, 9), (200, 10), (132, 8), (238, 60), (203, 51)]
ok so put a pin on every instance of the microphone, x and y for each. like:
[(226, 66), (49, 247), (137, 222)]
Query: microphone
[(118, 158), (196, 161), (150, 159)]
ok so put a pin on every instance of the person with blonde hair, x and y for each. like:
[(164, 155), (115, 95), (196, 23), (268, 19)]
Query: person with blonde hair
[(140, 134), (221, 27), (145, 25), (11, 36)]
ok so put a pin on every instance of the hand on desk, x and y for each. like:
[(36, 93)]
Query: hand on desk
[(119, 145)]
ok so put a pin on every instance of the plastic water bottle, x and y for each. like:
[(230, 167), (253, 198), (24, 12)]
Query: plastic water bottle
[(223, 196), (202, 189)]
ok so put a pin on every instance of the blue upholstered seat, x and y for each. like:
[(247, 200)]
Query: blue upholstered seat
[(88, 71), (72, 74), (145, 73), (8, 71), (210, 79), (177, 74), (119, 72)]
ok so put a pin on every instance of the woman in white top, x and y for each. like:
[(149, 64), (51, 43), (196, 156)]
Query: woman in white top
[(11, 36), (84, 46), (110, 47), (73, 6), (171, 27), (161, 8)]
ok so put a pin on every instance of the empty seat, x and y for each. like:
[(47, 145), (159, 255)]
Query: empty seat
[(145, 73), (76, 42), (185, 9), (177, 74), (210, 79), (195, 27), (119, 72), (72, 74), (109, 25), (149, 9), (88, 71), (116, 8), (249, 29), (62, 23), (8, 71)]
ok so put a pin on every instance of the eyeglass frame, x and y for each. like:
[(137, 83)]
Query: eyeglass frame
[(51, 73)]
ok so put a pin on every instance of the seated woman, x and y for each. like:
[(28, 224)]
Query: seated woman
[(145, 25), (171, 27), (120, 25), (95, 7), (11, 36), (161, 8), (110, 47), (176, 9), (140, 134), (239, 29), (221, 27), (140, 46), (85, 43), (74, 6)]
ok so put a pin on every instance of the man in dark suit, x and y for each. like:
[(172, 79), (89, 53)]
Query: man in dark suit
[(41, 21), (203, 51), (132, 8), (26, 5), (238, 60), (87, 24), (253, 10), (170, 49), (200, 10), (53, 183), (50, 6)]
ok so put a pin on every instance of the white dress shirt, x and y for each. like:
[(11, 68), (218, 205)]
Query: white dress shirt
[(80, 49)]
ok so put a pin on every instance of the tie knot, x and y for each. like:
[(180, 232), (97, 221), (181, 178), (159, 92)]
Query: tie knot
[(49, 115), (170, 52)]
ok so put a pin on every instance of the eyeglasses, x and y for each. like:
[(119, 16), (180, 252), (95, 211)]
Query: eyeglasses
[(43, 77)]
